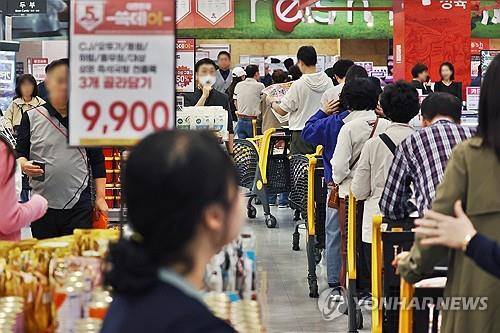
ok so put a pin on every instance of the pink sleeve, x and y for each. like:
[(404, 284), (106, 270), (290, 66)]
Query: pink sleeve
[(13, 215)]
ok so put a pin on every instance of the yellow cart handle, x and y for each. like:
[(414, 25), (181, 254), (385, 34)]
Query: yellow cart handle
[(351, 238), (377, 316)]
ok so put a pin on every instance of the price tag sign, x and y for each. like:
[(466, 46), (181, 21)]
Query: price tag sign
[(184, 72), (473, 94), (122, 71), (36, 67)]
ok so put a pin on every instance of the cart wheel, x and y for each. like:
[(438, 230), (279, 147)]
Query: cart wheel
[(317, 255), (251, 212), (296, 216), (271, 221), (313, 288), (359, 319), (296, 241)]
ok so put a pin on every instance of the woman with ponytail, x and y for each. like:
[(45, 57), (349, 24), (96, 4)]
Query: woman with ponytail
[(183, 206)]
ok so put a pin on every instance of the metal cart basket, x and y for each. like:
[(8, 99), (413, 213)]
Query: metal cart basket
[(263, 167)]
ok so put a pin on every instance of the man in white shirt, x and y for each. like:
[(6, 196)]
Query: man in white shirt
[(303, 98), (340, 69), (247, 100)]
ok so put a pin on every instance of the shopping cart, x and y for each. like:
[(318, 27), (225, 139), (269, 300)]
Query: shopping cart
[(389, 238), (308, 197), (263, 167)]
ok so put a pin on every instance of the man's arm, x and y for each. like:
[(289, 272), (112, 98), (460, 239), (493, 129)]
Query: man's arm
[(23, 148), (204, 96), (397, 191), (315, 129), (97, 165)]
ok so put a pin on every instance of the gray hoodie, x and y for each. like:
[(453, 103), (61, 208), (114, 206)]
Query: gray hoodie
[(304, 98)]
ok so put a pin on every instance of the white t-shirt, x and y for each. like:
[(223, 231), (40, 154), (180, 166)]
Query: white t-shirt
[(303, 98), (332, 94), (247, 94)]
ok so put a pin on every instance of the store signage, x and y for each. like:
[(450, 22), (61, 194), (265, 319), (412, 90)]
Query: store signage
[(200, 14), (473, 94), (22, 7), (7, 78), (477, 45), (380, 72), (122, 71), (36, 67), (368, 65), (287, 14), (487, 57), (185, 60)]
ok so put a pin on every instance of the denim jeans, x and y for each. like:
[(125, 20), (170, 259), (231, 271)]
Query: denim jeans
[(332, 246), (244, 128), (282, 199)]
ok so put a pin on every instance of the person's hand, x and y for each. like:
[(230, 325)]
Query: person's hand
[(270, 99), (332, 107), (101, 205), (439, 229), (206, 90), (31, 170), (398, 259), (379, 111)]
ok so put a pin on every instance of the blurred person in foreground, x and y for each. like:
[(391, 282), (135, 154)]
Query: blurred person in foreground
[(13, 215), (471, 178), (66, 180), (157, 274)]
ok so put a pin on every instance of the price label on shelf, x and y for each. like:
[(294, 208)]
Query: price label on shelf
[(122, 71), (185, 57)]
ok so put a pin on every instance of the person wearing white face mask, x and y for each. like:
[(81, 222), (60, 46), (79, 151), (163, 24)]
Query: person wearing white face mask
[(205, 95)]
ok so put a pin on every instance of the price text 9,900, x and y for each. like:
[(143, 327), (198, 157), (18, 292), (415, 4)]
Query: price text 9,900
[(138, 115)]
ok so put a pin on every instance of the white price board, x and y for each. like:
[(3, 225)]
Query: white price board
[(473, 94), (122, 71), (36, 67), (184, 72)]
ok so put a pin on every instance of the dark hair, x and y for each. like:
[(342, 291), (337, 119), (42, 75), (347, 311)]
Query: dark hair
[(377, 84), (170, 178), (221, 53), (418, 69), (307, 54), (232, 86), (204, 61), (489, 105), (279, 76), (56, 63), (355, 72), (288, 63), (451, 67), (26, 78), (251, 70), (359, 94), (10, 154), (341, 67), (400, 102), (442, 104), (294, 72)]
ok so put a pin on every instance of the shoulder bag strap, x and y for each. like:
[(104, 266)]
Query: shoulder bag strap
[(388, 142), (371, 136)]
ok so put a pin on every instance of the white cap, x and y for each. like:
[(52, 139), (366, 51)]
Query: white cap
[(238, 72)]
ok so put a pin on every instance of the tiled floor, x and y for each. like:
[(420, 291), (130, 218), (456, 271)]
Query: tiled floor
[(282, 280)]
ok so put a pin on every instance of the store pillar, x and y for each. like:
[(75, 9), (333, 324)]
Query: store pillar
[(432, 32)]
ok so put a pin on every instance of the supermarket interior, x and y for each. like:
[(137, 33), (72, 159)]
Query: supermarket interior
[(249, 166)]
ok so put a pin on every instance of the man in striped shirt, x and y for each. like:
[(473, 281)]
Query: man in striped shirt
[(421, 159)]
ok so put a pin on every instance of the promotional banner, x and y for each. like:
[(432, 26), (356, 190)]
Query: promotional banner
[(487, 57), (7, 78), (473, 94), (432, 32), (122, 71), (185, 60), (36, 67), (199, 14)]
